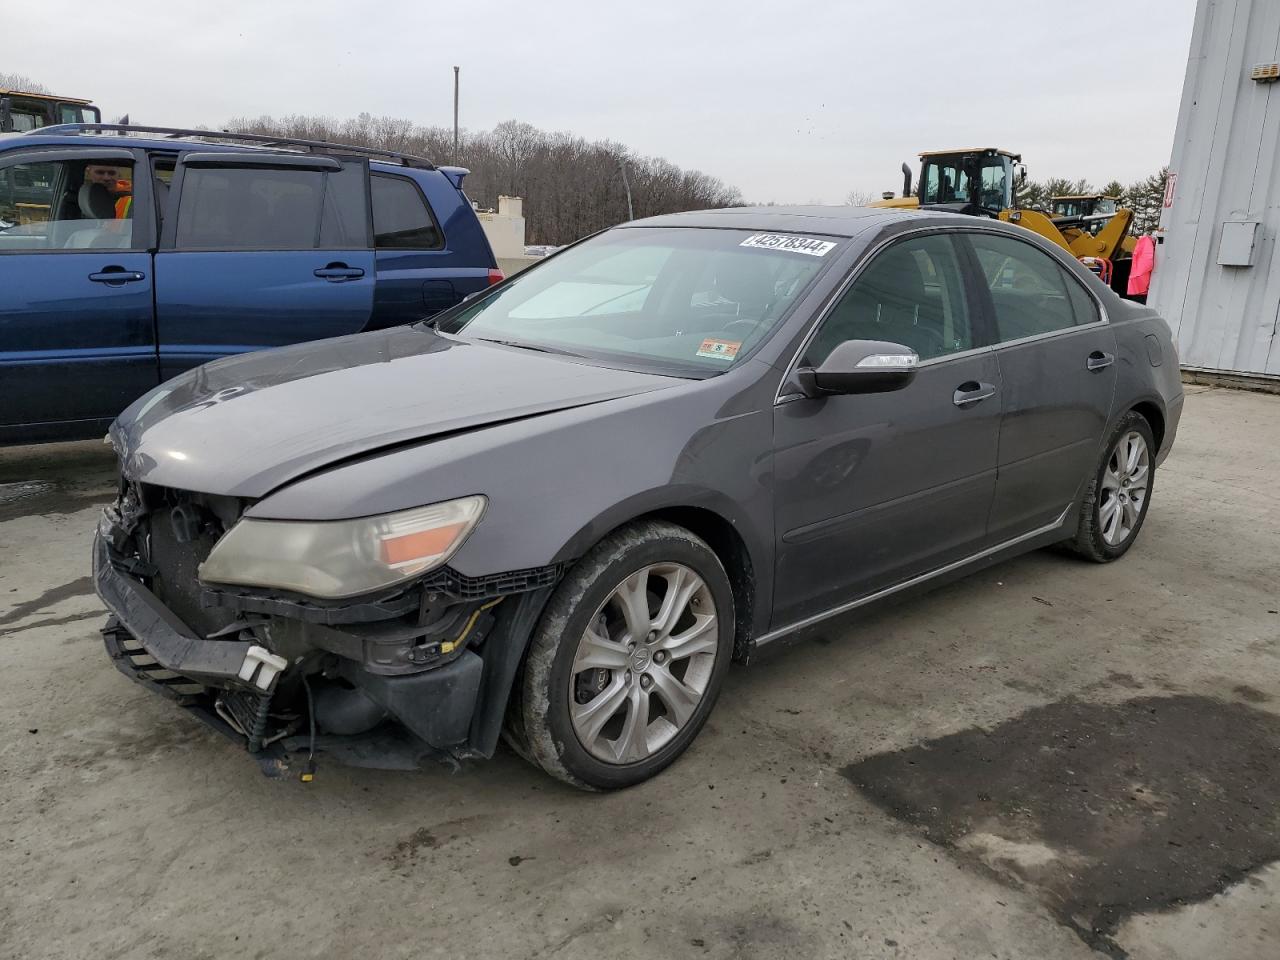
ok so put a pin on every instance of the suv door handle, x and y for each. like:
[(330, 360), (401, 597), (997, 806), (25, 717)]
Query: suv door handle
[(972, 392), (1099, 360), (115, 275), (337, 272)]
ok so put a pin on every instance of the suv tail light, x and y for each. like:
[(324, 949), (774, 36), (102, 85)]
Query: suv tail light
[(495, 276)]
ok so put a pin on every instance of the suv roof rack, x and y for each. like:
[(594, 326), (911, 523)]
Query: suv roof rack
[(257, 139)]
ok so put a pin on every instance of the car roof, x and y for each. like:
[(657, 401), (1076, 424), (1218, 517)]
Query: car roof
[(126, 141), (836, 221)]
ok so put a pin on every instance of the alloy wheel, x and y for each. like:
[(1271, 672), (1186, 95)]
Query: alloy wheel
[(644, 663), (1125, 480)]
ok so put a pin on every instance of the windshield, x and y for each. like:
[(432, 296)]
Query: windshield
[(692, 300)]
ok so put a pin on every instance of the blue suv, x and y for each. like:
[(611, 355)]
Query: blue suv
[(129, 254)]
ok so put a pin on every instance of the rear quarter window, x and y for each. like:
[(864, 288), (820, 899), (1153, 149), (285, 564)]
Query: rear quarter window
[(401, 218)]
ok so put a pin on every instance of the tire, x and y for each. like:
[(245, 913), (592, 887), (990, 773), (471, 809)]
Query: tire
[(576, 696), (1108, 528)]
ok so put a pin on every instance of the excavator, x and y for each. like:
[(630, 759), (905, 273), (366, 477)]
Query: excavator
[(983, 182), (21, 111)]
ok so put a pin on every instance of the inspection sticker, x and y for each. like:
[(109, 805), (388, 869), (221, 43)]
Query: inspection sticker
[(719, 349), (781, 241)]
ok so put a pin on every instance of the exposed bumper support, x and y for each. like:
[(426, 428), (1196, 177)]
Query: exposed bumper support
[(171, 642)]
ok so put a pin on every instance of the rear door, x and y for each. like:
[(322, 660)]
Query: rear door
[(1057, 365), (259, 250), (415, 270), (76, 335)]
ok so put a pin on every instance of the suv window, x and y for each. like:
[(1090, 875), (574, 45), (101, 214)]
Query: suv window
[(1031, 293), (912, 294), (401, 218), (242, 208), (66, 205)]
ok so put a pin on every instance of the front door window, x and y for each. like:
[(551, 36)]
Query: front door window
[(911, 294), (67, 205)]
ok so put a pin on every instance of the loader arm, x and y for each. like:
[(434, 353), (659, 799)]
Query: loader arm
[(1110, 240)]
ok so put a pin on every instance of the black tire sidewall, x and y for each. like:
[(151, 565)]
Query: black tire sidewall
[(547, 723)]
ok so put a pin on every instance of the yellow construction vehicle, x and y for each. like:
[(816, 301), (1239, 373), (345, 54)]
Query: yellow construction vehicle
[(983, 181), (21, 111), (1084, 205)]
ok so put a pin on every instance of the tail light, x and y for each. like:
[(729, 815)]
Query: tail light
[(495, 276)]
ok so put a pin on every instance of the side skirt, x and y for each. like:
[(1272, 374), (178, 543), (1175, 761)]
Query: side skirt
[(1034, 539)]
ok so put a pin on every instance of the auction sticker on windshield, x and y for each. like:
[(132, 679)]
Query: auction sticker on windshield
[(719, 349), (781, 241)]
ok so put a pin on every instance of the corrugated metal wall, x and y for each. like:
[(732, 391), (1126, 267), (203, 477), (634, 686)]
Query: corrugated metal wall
[(1226, 155)]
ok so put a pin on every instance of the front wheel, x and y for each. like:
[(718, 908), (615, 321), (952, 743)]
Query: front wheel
[(1116, 501), (627, 659)]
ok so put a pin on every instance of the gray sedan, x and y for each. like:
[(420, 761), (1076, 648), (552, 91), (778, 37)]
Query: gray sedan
[(558, 511)]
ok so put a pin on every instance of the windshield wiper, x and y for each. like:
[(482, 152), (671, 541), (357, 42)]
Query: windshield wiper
[(521, 345)]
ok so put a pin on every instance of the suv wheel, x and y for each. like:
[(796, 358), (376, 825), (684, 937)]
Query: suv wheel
[(627, 660), (1116, 501)]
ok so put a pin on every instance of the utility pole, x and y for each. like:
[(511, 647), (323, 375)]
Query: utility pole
[(455, 113), (622, 165)]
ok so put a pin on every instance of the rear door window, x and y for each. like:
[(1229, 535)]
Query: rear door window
[(246, 208), (1030, 292), (401, 218)]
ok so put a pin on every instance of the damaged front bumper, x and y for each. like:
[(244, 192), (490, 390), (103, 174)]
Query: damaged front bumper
[(375, 683)]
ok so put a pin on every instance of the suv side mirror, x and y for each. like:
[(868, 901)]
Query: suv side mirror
[(860, 366)]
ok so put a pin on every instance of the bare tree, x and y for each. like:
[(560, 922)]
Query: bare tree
[(859, 198), (572, 187), (19, 81)]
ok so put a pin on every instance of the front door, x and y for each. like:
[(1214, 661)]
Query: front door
[(76, 335), (260, 250), (874, 489), (1057, 365)]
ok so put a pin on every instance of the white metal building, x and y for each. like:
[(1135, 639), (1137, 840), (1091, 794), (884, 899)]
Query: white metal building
[(1217, 274)]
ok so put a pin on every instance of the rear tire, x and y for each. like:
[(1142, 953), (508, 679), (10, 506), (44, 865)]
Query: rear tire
[(627, 659), (1116, 501)]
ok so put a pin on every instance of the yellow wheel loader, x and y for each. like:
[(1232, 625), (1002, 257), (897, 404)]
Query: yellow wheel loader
[(982, 181)]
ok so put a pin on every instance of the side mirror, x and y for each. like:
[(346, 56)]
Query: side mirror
[(1022, 175), (860, 366)]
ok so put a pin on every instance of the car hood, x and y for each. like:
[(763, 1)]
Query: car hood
[(243, 426)]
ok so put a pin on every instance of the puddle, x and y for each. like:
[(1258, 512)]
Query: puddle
[(53, 479), (1104, 811), (23, 490)]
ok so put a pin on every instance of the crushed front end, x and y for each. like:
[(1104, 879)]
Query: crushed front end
[(387, 679)]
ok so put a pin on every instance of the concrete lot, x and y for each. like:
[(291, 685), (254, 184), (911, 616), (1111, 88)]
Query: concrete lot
[(1045, 760)]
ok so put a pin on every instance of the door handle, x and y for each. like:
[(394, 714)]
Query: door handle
[(972, 392), (117, 275), (338, 272), (1099, 360)]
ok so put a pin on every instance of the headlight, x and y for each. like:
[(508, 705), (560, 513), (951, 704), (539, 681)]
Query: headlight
[(342, 558)]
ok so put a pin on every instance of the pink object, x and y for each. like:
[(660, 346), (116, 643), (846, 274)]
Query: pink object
[(1144, 261)]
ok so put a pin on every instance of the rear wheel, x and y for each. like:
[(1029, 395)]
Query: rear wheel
[(628, 658), (1116, 501)]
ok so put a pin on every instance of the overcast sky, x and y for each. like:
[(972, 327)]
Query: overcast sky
[(787, 101)]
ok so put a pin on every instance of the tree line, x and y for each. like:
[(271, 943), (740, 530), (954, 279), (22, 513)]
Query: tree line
[(571, 186)]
